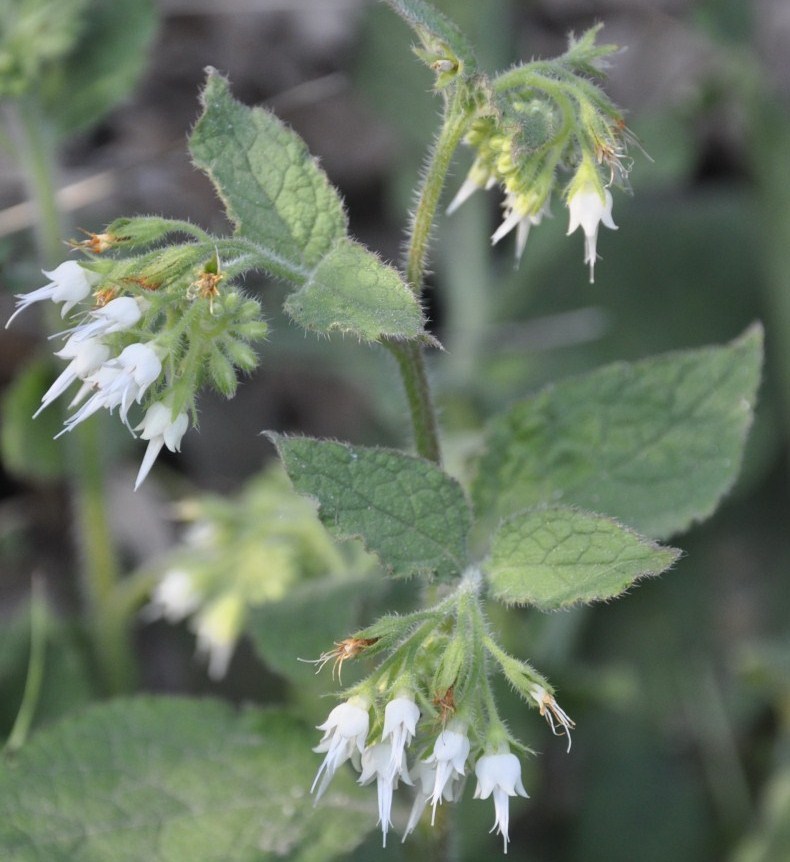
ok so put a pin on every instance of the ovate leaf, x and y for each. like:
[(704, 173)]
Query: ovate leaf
[(281, 201), (168, 780), (655, 444), (558, 557), (272, 188), (352, 291), (407, 511)]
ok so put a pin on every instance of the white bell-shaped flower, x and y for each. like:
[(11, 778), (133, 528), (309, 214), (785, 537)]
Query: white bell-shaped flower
[(449, 757), (120, 382), (500, 775), (345, 732), (589, 206), (86, 358), (401, 715), (520, 219), (118, 315), (70, 283), (174, 598), (217, 627), (377, 763), (160, 428)]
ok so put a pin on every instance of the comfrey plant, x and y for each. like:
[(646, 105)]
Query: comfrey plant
[(562, 504)]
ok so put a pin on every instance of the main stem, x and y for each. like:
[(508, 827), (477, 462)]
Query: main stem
[(35, 145), (409, 354)]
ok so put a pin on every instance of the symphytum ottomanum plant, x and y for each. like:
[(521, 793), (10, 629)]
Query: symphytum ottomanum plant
[(570, 491)]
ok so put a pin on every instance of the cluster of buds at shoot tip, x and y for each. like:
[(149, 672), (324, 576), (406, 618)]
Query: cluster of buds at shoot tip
[(405, 705), (146, 332), (543, 126)]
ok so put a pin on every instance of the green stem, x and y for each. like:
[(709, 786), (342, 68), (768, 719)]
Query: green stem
[(409, 355), (99, 564), (411, 364), (37, 152), (455, 124), (35, 668), (35, 147)]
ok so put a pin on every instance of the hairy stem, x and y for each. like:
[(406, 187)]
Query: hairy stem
[(410, 355), (411, 364), (454, 125)]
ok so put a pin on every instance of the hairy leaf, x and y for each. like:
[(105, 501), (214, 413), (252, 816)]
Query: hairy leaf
[(272, 188), (558, 557), (656, 443), (352, 291), (282, 203), (407, 511), (171, 779)]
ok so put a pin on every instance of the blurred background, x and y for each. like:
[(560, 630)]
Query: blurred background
[(681, 693)]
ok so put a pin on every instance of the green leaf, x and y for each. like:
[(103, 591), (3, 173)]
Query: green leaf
[(280, 200), (558, 557), (655, 444), (167, 780), (273, 190), (407, 511), (27, 446), (440, 37), (105, 64), (312, 617), (352, 291)]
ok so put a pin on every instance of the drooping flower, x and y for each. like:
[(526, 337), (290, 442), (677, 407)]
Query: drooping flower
[(120, 382), (174, 598), (86, 358), (426, 776), (518, 215), (70, 283), (118, 315), (377, 763), (449, 757), (499, 774), (345, 732), (217, 628), (589, 206), (160, 428), (401, 715), (478, 178)]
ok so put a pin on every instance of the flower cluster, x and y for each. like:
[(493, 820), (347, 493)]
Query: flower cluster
[(542, 119), (439, 776), (432, 692), (146, 332), (240, 553)]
